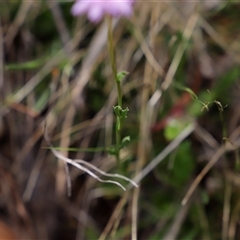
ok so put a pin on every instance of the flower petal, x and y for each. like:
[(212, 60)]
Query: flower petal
[(95, 13), (118, 9), (80, 7), (95, 9)]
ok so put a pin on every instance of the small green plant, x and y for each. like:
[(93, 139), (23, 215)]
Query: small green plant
[(95, 12), (121, 113)]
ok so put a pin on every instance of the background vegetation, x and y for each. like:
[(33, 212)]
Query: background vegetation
[(183, 94)]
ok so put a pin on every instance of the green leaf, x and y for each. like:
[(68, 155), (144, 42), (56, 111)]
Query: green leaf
[(125, 141), (186, 89), (27, 65), (121, 75), (183, 165), (90, 150), (174, 127), (117, 109), (121, 114)]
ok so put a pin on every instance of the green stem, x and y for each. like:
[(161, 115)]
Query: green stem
[(118, 83), (118, 139), (113, 60)]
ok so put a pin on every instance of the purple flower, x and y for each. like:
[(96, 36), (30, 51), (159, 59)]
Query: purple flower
[(95, 9)]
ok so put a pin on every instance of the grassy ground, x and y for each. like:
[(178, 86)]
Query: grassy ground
[(182, 92)]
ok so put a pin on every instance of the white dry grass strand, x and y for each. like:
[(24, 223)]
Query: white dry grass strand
[(116, 175), (76, 164)]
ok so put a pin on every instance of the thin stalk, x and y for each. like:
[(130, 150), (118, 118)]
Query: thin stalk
[(118, 83)]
